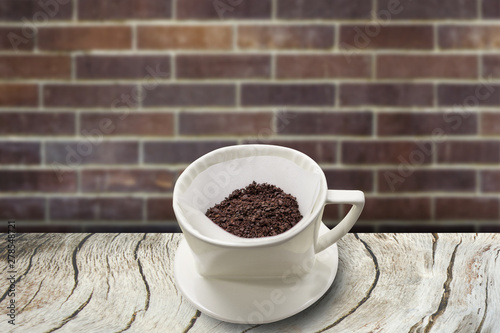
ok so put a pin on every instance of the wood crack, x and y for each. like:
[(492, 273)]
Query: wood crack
[(435, 238), (25, 272), (369, 292), (148, 293), (75, 265), (446, 293), (130, 322), (171, 260), (485, 309), (250, 328), (32, 298), (73, 315), (192, 321)]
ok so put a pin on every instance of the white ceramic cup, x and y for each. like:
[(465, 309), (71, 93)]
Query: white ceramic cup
[(271, 257)]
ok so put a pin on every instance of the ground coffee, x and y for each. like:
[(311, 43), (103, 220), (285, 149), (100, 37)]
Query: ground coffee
[(258, 210)]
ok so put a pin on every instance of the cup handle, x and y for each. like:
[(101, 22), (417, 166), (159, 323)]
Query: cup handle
[(357, 200)]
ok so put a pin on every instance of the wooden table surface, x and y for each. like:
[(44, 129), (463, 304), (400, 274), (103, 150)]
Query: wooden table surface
[(124, 283)]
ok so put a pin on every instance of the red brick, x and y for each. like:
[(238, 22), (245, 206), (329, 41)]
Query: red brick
[(331, 213), (79, 95), (22, 209), (16, 39), (490, 123), (34, 67), (407, 179), (426, 66), (491, 66), (220, 9), (386, 94), (427, 9), (123, 67), (160, 152), (117, 10), (490, 181), (320, 151), (72, 38), (469, 37), (490, 9), (287, 94), (142, 123), (37, 123), (466, 96), (467, 209), (223, 66), (386, 152), (324, 9), (220, 124), (43, 181), (75, 153), (18, 95), (355, 38), (396, 209), (185, 37), (351, 179), (35, 10), (335, 123), (274, 37), (469, 152), (435, 124), (12, 152), (160, 209), (127, 180), (323, 66), (191, 95), (95, 209)]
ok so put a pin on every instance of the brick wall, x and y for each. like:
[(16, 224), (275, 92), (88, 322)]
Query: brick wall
[(103, 103)]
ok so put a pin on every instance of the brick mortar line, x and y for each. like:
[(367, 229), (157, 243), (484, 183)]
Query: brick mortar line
[(479, 8), (252, 52), (274, 9), (480, 66), (375, 182), (144, 211), (280, 137), (159, 195), (373, 68), (89, 195), (251, 109), (40, 96), (237, 94), (478, 182), (73, 69), (216, 81), (254, 22), (435, 37), (74, 14), (173, 167), (47, 210), (338, 154), (234, 39), (133, 36), (274, 60)]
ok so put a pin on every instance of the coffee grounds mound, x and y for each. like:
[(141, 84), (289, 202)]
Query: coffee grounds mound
[(258, 210)]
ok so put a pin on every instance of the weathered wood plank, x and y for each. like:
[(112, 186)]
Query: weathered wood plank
[(124, 283)]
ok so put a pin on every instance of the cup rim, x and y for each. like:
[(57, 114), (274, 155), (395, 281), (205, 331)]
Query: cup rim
[(192, 170)]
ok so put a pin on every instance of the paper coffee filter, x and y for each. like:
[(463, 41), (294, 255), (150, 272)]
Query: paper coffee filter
[(217, 181)]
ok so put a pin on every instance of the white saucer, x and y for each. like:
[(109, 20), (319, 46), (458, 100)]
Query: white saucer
[(254, 301)]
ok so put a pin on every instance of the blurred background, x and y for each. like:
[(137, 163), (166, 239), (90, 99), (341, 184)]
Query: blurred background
[(104, 103)]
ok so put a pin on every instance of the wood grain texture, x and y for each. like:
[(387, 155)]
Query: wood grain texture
[(415, 283)]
